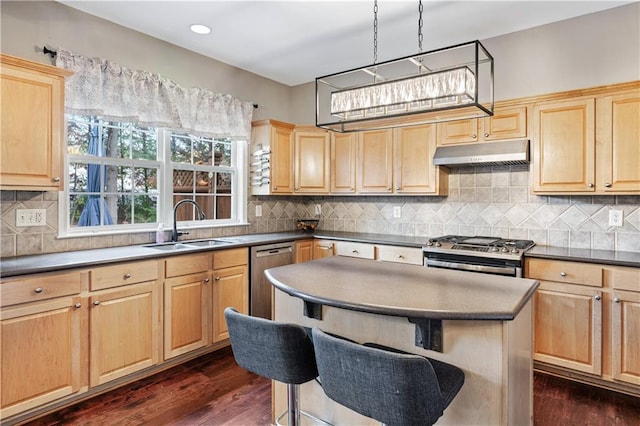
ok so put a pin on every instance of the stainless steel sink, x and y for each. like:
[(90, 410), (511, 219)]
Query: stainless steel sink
[(185, 245)]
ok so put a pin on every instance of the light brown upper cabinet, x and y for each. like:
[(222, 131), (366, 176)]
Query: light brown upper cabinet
[(618, 143), (414, 172), (311, 161), (587, 145), (375, 162), (344, 148), (275, 167), (563, 146), (506, 123), (32, 125)]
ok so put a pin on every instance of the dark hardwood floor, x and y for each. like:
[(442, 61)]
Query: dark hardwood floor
[(213, 390)]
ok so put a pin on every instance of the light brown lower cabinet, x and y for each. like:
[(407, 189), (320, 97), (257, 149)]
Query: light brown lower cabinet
[(322, 248), (41, 353), (229, 290), (124, 332), (587, 322), (302, 251)]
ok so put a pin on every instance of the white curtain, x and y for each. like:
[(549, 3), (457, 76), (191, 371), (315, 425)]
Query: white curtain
[(103, 87)]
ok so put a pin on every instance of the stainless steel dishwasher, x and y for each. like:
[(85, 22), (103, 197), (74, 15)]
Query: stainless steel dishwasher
[(261, 291)]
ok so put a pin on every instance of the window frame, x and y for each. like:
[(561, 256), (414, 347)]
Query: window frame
[(239, 191)]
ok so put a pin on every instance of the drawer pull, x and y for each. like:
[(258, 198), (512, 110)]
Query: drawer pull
[(597, 297), (486, 135), (206, 280), (97, 302), (617, 300), (127, 276), (563, 274), (217, 278), (38, 290), (400, 256), (55, 179), (354, 251), (78, 305)]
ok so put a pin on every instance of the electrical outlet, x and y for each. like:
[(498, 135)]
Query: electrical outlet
[(318, 209), (616, 217), (31, 217), (397, 212), (258, 211)]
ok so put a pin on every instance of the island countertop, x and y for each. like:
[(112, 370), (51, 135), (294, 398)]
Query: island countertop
[(404, 290)]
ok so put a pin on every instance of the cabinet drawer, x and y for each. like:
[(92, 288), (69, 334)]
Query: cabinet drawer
[(231, 257), (624, 278), (185, 265), (344, 248), (565, 272), (123, 274), (39, 287), (413, 256)]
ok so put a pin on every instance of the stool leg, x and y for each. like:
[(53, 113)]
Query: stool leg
[(293, 410)]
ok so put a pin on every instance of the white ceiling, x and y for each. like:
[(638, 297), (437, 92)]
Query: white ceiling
[(293, 42)]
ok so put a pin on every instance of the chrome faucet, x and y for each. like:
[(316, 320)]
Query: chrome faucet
[(175, 234)]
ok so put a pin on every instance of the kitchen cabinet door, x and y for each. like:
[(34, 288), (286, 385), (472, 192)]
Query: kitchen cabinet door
[(303, 251), (41, 353), (414, 172), (344, 148), (375, 162), (563, 147), (281, 160), (457, 132), (272, 157), (322, 248), (230, 289), (618, 143), (124, 332), (32, 125), (568, 326), (312, 162), (186, 313), (626, 337), (505, 123)]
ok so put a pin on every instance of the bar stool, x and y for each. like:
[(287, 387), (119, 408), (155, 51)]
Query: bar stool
[(390, 386), (278, 351)]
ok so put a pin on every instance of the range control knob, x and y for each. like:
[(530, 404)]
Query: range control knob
[(505, 250), (515, 250), (430, 243), (494, 249), (438, 244)]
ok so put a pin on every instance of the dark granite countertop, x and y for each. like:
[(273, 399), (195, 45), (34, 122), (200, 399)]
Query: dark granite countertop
[(411, 291), (607, 257)]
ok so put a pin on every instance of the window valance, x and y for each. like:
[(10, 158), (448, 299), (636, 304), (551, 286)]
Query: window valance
[(104, 88)]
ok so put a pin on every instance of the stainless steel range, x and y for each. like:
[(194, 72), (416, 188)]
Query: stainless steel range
[(489, 255)]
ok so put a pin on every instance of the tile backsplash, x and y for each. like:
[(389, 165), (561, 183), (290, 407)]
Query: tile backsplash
[(482, 201)]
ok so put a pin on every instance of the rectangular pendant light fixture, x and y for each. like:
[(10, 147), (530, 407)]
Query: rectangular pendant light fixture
[(451, 83)]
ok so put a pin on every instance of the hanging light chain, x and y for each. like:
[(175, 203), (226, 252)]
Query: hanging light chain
[(375, 31), (420, 22)]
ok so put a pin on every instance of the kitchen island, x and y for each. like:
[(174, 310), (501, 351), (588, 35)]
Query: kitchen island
[(478, 322)]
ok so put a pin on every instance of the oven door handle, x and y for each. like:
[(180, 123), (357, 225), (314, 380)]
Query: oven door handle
[(502, 270)]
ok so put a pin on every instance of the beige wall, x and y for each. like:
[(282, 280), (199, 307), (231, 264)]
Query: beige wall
[(591, 50), (27, 26)]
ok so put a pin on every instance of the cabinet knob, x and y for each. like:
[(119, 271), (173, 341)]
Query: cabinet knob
[(616, 299), (217, 278), (96, 303), (591, 185), (206, 280), (397, 188), (563, 274), (38, 290), (351, 189), (597, 297), (297, 188), (78, 305), (607, 185), (56, 179), (275, 188), (126, 276), (486, 135), (400, 256), (474, 136), (354, 251)]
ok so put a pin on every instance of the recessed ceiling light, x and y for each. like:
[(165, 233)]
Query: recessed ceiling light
[(200, 29)]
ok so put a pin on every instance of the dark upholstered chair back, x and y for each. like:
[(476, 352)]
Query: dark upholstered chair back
[(278, 351), (393, 387)]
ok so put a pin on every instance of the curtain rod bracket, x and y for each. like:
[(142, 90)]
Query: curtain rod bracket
[(47, 51)]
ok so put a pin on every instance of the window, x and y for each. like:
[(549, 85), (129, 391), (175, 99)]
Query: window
[(124, 177)]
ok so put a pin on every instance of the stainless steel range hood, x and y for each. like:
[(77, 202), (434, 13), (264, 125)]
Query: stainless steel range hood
[(483, 154)]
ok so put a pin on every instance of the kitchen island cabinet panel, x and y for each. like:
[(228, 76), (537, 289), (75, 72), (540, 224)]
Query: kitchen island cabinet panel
[(124, 335), (41, 353)]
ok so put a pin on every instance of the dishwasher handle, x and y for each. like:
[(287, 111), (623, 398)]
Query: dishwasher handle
[(274, 251)]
